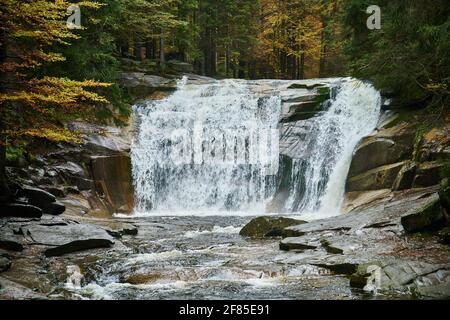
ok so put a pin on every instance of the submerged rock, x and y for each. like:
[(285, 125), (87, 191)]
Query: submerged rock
[(262, 227)]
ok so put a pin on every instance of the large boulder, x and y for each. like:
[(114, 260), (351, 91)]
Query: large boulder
[(426, 218), (405, 178), (268, 227), (387, 146), (69, 238), (375, 179), (37, 197)]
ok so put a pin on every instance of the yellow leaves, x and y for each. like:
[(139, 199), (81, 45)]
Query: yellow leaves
[(52, 134)]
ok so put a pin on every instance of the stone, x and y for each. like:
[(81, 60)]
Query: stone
[(444, 236), (388, 146), (140, 85), (9, 240), (54, 208), (37, 197), (59, 192), (69, 238), (428, 217), (428, 174), (267, 227), (444, 195), (5, 262), (180, 66), (20, 210), (112, 176), (405, 177), (375, 179)]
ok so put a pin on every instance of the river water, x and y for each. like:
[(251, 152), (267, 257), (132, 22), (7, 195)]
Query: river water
[(205, 162)]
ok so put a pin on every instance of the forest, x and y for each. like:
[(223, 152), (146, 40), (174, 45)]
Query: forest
[(51, 74)]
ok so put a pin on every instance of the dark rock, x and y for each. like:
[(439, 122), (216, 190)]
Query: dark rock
[(388, 146), (306, 86), (54, 208), (375, 179), (428, 217), (340, 268), (9, 240), (112, 175), (266, 226), (405, 177), (72, 169), (428, 174), (20, 210), (444, 195), (5, 262), (76, 246), (444, 236), (37, 197), (70, 238), (72, 190), (56, 191)]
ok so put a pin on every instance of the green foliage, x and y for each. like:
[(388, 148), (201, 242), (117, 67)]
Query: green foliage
[(410, 54)]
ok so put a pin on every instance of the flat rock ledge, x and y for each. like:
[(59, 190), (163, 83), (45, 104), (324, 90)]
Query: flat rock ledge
[(392, 245)]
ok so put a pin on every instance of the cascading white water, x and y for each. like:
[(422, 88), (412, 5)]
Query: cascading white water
[(318, 181), (206, 147), (214, 147)]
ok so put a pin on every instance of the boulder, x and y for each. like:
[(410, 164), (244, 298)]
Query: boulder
[(59, 192), (296, 244), (69, 238), (387, 146), (405, 177), (71, 168), (268, 227), (375, 179), (20, 210), (9, 240), (444, 195), (428, 174), (54, 208), (112, 176), (428, 217), (37, 197), (140, 85), (5, 262), (444, 236)]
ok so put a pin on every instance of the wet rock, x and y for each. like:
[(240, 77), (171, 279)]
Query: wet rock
[(428, 174), (444, 195), (268, 227), (435, 285), (70, 238), (444, 236), (357, 199), (112, 176), (405, 177), (54, 208), (386, 147), (296, 244), (428, 217), (118, 230), (20, 210), (72, 169), (9, 240), (37, 197), (375, 179), (5, 262), (56, 191)]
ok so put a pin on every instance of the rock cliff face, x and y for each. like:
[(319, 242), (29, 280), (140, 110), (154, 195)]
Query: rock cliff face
[(398, 157)]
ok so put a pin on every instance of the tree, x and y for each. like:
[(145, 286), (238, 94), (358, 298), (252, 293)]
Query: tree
[(33, 105)]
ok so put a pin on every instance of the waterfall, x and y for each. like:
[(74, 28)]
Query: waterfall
[(318, 178), (214, 147), (207, 147)]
